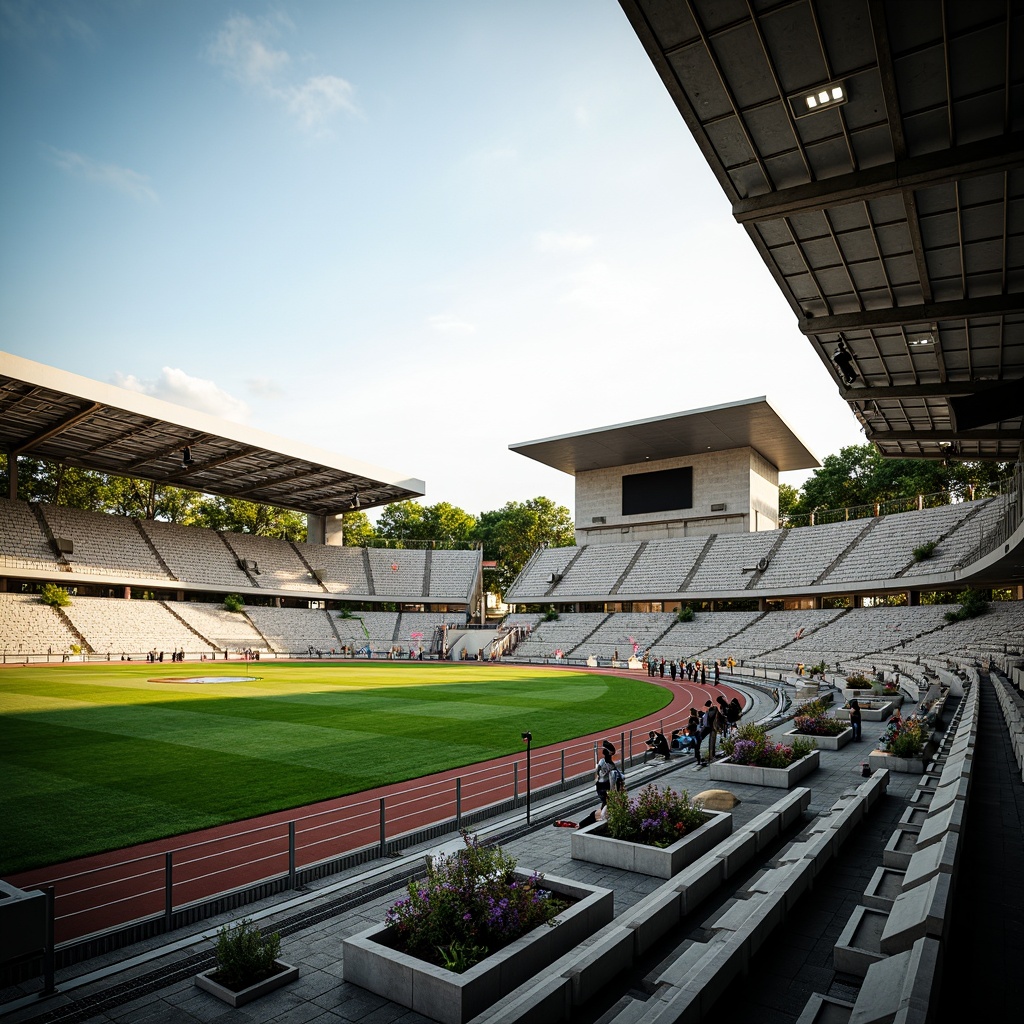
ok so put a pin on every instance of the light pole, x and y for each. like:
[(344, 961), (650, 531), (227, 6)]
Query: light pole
[(527, 739)]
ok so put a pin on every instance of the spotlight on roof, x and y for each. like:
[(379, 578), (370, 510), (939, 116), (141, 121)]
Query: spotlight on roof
[(843, 362), (186, 456), (922, 339), (355, 500), (821, 97)]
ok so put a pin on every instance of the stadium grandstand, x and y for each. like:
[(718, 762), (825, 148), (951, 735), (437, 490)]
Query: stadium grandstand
[(872, 151)]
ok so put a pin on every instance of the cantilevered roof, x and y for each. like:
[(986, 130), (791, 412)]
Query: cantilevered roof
[(50, 414), (874, 152), (751, 423)]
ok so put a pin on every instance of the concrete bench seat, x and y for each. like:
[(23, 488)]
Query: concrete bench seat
[(919, 912), (885, 885), (942, 856), (901, 987)]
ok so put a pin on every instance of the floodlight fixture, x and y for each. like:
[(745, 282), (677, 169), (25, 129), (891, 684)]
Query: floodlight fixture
[(842, 360), (186, 456)]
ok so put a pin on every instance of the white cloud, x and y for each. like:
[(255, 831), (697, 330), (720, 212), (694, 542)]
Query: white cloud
[(176, 386), (445, 323), (244, 51), (264, 387), (121, 179), (563, 241)]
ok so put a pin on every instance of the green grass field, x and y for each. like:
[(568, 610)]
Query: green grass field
[(98, 757)]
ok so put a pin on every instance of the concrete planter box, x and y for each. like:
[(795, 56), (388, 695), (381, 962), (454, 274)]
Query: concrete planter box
[(592, 844), (285, 974), (451, 998), (916, 765), (777, 778), (870, 711), (836, 742)]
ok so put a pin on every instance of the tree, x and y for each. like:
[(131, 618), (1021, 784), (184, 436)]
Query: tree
[(511, 534), (789, 498), (861, 475), (401, 521), (357, 530)]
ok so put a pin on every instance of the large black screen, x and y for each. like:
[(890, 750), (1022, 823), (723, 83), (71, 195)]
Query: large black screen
[(660, 491)]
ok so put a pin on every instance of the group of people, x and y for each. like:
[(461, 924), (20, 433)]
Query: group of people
[(155, 656), (691, 671), (721, 717)]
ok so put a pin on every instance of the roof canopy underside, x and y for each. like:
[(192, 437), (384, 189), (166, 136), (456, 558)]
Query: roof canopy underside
[(752, 423), (893, 219), (49, 414)]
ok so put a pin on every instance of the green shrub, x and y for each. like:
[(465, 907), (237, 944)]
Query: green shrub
[(972, 604), (924, 551), (54, 596), (245, 956), (471, 904), (752, 746), (654, 817), (685, 614), (234, 603), (858, 682), (551, 615), (904, 737)]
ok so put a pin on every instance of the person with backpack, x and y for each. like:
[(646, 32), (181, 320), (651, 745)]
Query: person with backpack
[(603, 774)]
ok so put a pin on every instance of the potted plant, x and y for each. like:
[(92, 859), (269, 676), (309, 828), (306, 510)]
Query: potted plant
[(904, 746), (247, 965), (657, 832), (470, 931), (755, 759), (811, 719)]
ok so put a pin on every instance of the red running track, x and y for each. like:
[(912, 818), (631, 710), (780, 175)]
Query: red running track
[(94, 894)]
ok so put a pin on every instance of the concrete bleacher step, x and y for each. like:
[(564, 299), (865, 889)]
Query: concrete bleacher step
[(881, 892), (860, 944), (825, 1010)]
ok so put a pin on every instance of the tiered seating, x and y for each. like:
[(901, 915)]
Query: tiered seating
[(374, 628), (777, 629), (562, 634), (894, 939), (723, 565), (453, 573), (397, 573), (195, 555), (889, 547), (342, 570), (224, 630), (424, 622), (278, 566), (27, 625), (706, 634), (533, 580), (596, 570), (662, 566), (806, 553), (23, 545), (1001, 627), (617, 633), (295, 630), (866, 630), (962, 540), (115, 627), (107, 545)]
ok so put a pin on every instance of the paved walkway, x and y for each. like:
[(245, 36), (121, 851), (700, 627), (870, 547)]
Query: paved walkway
[(156, 985)]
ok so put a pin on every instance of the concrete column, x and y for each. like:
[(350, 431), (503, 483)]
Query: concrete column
[(334, 532), (913, 598), (127, 593), (12, 477), (314, 528)]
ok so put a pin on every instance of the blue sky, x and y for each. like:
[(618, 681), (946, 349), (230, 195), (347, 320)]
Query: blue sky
[(409, 232)]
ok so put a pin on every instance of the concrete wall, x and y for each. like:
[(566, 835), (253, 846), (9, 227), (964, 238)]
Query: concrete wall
[(740, 479)]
